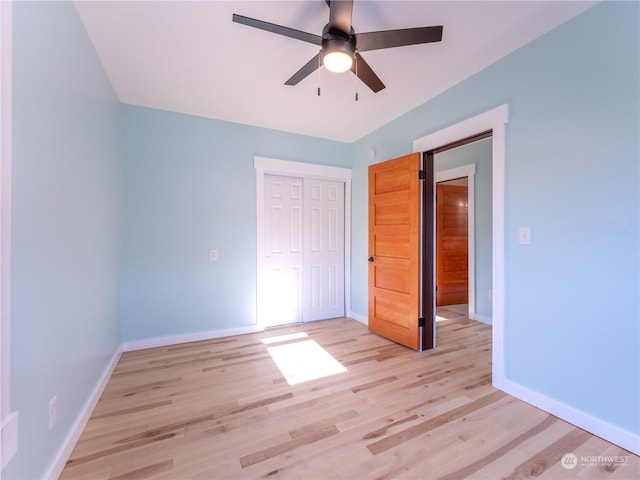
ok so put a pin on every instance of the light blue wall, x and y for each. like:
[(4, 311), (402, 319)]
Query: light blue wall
[(65, 227), (478, 153), (572, 175), (190, 186)]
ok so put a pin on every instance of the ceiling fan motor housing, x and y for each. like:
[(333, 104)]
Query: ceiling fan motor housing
[(336, 41)]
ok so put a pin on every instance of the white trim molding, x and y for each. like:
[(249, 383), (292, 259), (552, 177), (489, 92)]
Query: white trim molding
[(187, 337), (285, 167), (271, 166), (468, 171), (458, 172), (480, 318), (494, 120), (8, 419), (594, 425), (76, 430)]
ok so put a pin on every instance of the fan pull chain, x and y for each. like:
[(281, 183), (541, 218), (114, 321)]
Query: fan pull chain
[(319, 67), (356, 84)]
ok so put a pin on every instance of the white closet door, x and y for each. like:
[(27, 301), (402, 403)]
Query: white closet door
[(283, 250), (323, 243)]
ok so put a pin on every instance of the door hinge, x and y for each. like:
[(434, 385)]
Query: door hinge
[(436, 288), (421, 322), (422, 175)]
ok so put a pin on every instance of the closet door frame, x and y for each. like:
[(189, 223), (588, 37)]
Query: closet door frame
[(271, 166)]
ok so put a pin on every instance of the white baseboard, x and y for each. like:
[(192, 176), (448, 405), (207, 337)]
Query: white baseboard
[(611, 433), (76, 430), (480, 318), (188, 337), (356, 316)]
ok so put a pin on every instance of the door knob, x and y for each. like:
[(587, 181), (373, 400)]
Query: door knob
[(370, 259)]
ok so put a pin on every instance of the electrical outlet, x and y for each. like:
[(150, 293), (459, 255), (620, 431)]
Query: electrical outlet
[(53, 411)]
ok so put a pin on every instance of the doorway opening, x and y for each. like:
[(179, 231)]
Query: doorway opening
[(495, 121), (467, 222), (402, 234), (452, 249), (449, 227), (452, 242)]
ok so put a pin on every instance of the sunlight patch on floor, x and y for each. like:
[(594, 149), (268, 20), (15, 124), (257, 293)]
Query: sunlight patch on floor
[(303, 361), (451, 311), (284, 338)]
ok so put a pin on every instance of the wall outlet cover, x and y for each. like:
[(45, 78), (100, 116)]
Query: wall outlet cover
[(53, 411)]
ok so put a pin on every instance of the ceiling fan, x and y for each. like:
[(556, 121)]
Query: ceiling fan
[(341, 46)]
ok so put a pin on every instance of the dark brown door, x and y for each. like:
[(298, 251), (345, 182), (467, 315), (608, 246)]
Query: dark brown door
[(452, 245), (394, 249)]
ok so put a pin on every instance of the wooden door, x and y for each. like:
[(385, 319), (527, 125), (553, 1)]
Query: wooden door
[(394, 249), (452, 244)]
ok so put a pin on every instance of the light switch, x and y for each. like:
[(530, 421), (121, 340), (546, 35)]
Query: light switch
[(524, 235), (213, 255)]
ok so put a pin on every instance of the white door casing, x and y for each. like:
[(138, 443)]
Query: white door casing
[(8, 418)]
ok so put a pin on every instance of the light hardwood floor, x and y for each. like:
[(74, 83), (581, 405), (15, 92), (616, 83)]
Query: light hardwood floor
[(223, 409)]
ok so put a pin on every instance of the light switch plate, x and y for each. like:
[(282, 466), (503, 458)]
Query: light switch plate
[(213, 255), (524, 235)]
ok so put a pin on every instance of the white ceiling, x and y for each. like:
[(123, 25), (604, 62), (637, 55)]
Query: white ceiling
[(189, 57)]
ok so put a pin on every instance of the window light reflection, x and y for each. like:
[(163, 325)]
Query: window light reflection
[(282, 297), (284, 338), (303, 361)]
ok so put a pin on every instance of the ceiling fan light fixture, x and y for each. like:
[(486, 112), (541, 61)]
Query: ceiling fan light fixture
[(337, 62), (337, 54)]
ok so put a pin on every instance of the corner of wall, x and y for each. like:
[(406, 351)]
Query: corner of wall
[(611, 433), (76, 430), (360, 318)]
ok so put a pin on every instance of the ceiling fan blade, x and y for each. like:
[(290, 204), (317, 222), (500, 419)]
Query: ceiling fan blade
[(279, 29), (340, 13), (366, 74), (397, 38), (309, 67)]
